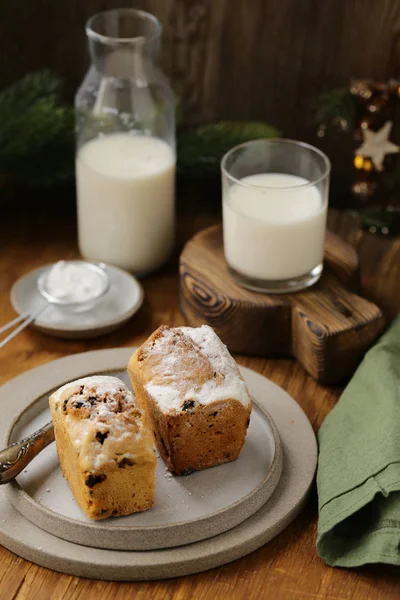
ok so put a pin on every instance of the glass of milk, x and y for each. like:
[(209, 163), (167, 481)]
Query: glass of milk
[(275, 198), (125, 130)]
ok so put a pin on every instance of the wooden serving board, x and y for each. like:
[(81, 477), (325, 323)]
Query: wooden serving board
[(327, 328)]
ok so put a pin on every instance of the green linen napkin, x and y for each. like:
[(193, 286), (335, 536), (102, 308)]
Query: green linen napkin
[(359, 464)]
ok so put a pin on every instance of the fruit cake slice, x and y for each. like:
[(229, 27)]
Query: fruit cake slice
[(105, 446), (198, 402)]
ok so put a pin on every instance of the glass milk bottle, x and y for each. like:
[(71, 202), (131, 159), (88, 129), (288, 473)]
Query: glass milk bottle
[(125, 129)]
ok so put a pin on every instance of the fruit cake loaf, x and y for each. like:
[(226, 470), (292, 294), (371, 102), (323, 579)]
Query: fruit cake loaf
[(198, 402), (105, 447)]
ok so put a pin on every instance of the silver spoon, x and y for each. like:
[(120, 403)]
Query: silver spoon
[(17, 456)]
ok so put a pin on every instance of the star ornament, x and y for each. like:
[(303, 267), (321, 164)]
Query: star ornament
[(376, 145)]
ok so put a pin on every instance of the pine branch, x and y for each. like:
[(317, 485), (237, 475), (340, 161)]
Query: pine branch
[(200, 150), (36, 132), (337, 108)]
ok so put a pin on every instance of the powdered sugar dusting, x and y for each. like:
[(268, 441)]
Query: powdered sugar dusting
[(103, 420), (102, 383), (224, 382)]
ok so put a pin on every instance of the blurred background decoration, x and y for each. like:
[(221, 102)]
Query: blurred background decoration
[(37, 144), (237, 62), (36, 134), (366, 116)]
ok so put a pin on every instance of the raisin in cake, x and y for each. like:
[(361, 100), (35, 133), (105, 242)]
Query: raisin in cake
[(198, 402), (104, 446)]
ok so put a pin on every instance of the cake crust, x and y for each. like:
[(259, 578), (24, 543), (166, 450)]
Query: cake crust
[(197, 401), (105, 446)]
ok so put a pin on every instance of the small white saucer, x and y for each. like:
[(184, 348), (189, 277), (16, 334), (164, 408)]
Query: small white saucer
[(123, 299)]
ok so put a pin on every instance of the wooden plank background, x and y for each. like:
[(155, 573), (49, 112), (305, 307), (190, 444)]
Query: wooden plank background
[(229, 59)]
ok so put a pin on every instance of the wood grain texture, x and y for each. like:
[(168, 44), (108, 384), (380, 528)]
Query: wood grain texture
[(287, 568), (327, 327), (228, 59)]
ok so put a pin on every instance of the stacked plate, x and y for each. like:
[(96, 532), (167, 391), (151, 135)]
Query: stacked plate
[(198, 522)]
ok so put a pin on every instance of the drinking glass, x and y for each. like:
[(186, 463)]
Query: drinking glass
[(275, 199)]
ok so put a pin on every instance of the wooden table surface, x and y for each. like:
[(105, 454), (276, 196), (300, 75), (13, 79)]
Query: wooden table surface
[(287, 567)]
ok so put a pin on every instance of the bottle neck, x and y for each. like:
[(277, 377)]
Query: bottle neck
[(123, 60), (122, 42)]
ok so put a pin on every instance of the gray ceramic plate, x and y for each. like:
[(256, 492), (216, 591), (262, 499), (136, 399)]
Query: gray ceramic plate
[(121, 302), (27, 540), (187, 509)]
